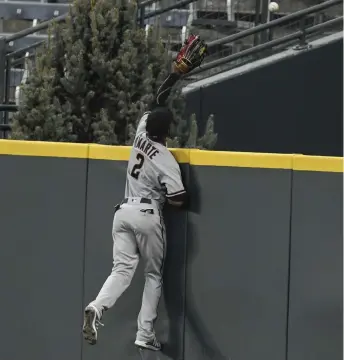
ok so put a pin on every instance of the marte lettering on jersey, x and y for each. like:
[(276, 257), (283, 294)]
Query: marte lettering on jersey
[(146, 146)]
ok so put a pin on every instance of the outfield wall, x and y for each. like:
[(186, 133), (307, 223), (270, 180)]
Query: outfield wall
[(285, 103), (254, 267)]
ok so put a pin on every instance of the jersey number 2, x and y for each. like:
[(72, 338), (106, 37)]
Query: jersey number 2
[(135, 172)]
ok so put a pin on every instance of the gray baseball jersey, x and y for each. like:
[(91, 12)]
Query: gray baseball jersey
[(139, 229), (153, 172)]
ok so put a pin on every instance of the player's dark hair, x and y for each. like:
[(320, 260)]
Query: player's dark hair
[(158, 123)]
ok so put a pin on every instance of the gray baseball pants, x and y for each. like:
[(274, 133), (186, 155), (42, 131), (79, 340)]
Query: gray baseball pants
[(137, 233)]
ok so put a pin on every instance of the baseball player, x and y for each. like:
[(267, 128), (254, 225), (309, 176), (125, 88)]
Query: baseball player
[(153, 175)]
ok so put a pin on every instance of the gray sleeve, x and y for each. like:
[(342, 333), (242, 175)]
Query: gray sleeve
[(141, 127), (165, 90), (171, 178)]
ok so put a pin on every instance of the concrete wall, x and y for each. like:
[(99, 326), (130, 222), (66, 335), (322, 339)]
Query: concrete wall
[(287, 103), (254, 267)]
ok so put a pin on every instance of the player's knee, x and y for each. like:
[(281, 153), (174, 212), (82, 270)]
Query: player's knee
[(124, 272), (153, 275)]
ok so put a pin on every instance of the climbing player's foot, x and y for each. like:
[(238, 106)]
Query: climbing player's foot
[(151, 345), (91, 324)]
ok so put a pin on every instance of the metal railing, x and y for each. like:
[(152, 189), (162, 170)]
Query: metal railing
[(141, 16), (6, 127), (301, 34)]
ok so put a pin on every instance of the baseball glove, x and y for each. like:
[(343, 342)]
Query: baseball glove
[(191, 54)]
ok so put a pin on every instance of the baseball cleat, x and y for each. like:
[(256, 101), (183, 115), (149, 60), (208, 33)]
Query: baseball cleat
[(150, 345), (91, 324)]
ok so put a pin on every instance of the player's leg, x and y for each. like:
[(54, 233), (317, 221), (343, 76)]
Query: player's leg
[(152, 245), (125, 260), (126, 257)]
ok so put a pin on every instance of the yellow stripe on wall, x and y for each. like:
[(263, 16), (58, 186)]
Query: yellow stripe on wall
[(43, 148), (193, 157), (318, 163), (241, 159), (105, 152), (182, 155)]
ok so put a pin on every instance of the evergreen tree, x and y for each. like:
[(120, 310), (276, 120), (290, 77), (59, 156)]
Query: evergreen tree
[(93, 79)]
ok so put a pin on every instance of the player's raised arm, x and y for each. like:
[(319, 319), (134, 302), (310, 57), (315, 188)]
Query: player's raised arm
[(160, 99), (165, 88), (190, 56)]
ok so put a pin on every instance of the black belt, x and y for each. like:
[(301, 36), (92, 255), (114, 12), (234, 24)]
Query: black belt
[(142, 201)]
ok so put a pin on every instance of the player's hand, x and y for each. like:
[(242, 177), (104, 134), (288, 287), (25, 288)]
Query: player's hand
[(175, 69), (190, 55)]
